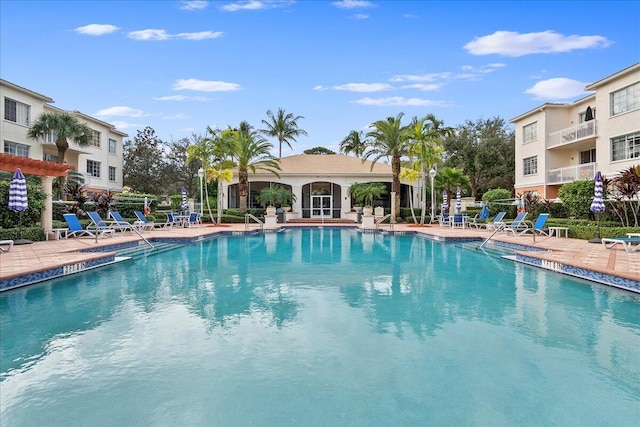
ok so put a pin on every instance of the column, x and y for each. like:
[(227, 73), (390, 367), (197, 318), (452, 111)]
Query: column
[(46, 216)]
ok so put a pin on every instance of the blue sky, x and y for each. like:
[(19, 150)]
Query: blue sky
[(180, 66)]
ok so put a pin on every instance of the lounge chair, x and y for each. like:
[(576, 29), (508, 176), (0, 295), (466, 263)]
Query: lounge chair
[(497, 222), (75, 228), (517, 225), (97, 223), (626, 242), (120, 222), (7, 243), (145, 223), (537, 227)]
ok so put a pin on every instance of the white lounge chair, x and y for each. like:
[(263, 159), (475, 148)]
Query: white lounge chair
[(7, 243), (626, 242)]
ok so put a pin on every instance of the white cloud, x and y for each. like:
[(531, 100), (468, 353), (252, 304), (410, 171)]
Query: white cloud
[(254, 5), (179, 116), (398, 101), (96, 29), (150, 34), (320, 87), (205, 85), (181, 98), (202, 35), (352, 4), (431, 77), (364, 87), (121, 125), (120, 111), (361, 16), (557, 89), (423, 87), (193, 4), (513, 44)]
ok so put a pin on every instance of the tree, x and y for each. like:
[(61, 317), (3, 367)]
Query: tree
[(450, 178), (485, 151), (63, 127), (367, 192), (354, 143), (179, 171), (144, 163), (319, 151), (250, 152), (388, 139), (283, 126)]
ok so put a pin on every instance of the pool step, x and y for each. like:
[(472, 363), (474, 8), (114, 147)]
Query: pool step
[(489, 249), (144, 250)]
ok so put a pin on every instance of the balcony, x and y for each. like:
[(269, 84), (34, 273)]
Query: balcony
[(571, 173), (573, 134)]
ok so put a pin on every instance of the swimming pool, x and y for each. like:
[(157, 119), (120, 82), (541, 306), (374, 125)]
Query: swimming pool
[(319, 327)]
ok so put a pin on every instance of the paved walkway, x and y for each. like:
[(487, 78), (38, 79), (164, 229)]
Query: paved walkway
[(41, 256)]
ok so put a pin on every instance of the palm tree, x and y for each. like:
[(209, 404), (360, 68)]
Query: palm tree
[(450, 178), (250, 152), (283, 126), (426, 149), (388, 139), (354, 143), (64, 127)]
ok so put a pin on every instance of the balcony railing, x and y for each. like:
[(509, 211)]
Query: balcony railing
[(573, 134), (571, 173)]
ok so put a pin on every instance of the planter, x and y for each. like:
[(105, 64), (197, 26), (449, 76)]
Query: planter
[(271, 211), (367, 211), (286, 208)]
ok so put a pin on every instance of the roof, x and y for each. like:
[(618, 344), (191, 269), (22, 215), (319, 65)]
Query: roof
[(27, 91), (330, 164), (629, 69)]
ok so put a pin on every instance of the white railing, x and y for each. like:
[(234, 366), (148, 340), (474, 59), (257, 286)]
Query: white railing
[(571, 173), (381, 219), (248, 217), (573, 134)]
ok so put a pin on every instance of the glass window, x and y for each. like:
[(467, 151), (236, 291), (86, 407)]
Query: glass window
[(95, 139), (112, 173), (588, 156), (16, 149), (626, 99), (625, 147), (50, 157), (112, 146), (530, 133), (93, 168), (17, 112), (530, 165)]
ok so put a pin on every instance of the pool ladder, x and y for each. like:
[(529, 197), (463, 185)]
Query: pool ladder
[(380, 220), (248, 217)]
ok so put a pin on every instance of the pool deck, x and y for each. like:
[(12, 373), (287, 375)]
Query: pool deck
[(576, 255)]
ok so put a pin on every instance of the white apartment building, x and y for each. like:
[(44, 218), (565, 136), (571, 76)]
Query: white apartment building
[(560, 143), (100, 163)]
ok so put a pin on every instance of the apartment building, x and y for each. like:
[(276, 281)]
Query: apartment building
[(100, 163), (560, 143)]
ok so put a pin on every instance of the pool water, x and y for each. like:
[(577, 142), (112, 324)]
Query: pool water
[(319, 327)]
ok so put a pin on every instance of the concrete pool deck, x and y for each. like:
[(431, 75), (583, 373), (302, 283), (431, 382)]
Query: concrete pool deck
[(559, 254)]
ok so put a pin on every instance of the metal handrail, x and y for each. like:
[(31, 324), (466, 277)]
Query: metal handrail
[(251, 216), (379, 221), (489, 238)]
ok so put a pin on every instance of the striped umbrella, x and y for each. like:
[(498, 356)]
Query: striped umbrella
[(18, 199), (445, 202), (185, 202), (597, 205), (458, 201)]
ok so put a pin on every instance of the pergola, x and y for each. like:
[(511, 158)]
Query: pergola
[(46, 170)]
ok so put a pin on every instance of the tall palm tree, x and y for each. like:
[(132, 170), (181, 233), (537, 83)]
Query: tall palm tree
[(450, 178), (354, 143), (283, 126), (426, 136), (389, 139), (65, 127), (250, 152)]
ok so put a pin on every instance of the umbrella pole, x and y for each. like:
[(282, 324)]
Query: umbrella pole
[(21, 241), (598, 238)]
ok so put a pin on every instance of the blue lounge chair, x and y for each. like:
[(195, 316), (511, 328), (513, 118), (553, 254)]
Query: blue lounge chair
[(145, 223), (516, 225), (537, 227), (97, 223), (75, 228), (626, 242), (497, 222)]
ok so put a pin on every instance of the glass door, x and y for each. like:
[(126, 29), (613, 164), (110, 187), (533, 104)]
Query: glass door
[(321, 206)]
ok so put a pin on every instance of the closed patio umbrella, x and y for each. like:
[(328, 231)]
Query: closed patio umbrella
[(445, 202), (185, 202), (597, 204), (18, 201), (458, 201)]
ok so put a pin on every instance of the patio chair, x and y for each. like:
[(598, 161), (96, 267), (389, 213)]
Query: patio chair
[(97, 223), (117, 219), (444, 219), (458, 221), (173, 219), (75, 228), (517, 225), (537, 227), (7, 243), (497, 222), (626, 242), (146, 224), (195, 219)]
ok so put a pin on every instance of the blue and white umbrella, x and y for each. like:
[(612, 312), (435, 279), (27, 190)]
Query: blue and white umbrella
[(445, 202), (185, 202), (458, 201), (597, 205), (18, 199)]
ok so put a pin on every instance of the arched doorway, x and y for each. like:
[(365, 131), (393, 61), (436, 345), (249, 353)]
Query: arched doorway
[(321, 199)]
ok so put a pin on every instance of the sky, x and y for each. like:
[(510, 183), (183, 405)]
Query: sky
[(180, 66)]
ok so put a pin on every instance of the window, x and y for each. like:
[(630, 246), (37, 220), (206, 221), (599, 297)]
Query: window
[(626, 99), (530, 133), (16, 149), (50, 157), (530, 165), (93, 168), (17, 112), (95, 139), (51, 137), (112, 146), (625, 147), (588, 156), (112, 173), (582, 116)]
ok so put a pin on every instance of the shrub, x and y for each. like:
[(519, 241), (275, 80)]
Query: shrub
[(495, 201), (576, 197)]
